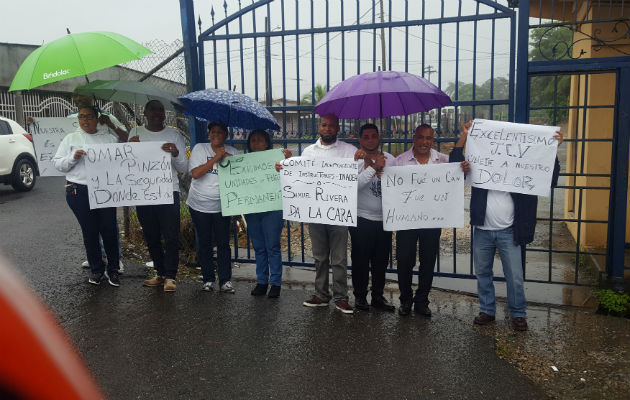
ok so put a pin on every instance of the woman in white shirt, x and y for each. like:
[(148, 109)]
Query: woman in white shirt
[(101, 221), (204, 202)]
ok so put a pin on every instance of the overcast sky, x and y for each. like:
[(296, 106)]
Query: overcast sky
[(40, 21)]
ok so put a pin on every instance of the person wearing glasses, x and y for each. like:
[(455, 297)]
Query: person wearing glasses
[(101, 221)]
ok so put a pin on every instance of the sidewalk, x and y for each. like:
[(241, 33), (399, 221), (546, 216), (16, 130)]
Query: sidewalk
[(591, 352)]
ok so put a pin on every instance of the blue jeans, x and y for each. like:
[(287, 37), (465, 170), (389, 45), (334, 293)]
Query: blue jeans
[(485, 244), (264, 230), (208, 225)]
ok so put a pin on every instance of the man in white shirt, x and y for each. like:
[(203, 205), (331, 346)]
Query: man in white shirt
[(162, 221), (371, 245), (329, 242)]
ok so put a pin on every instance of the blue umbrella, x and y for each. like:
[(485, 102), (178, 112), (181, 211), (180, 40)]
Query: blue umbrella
[(231, 108)]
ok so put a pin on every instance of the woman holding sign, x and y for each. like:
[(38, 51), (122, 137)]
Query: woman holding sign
[(100, 221), (204, 203), (264, 230)]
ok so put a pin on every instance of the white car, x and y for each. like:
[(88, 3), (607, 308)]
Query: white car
[(18, 165)]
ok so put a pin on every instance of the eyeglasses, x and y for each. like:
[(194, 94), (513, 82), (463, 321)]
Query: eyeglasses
[(86, 116)]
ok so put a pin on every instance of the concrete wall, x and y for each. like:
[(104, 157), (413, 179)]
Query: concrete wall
[(598, 89)]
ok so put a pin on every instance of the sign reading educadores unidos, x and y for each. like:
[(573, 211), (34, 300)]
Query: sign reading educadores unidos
[(320, 190), (249, 183)]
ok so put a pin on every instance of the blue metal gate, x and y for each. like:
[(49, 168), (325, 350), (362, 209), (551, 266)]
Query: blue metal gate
[(287, 54)]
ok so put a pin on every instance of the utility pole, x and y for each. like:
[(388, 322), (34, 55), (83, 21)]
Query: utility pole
[(429, 70), (382, 39)]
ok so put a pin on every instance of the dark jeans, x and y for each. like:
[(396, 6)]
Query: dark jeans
[(162, 221), (208, 225), (100, 221), (370, 252), (406, 246)]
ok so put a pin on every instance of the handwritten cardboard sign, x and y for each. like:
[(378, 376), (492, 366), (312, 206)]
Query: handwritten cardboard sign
[(511, 157), (423, 196), (249, 183), (320, 190), (128, 174), (47, 135)]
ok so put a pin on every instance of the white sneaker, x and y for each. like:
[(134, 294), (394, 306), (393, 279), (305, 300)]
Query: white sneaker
[(85, 264), (227, 288), (208, 286), (121, 267)]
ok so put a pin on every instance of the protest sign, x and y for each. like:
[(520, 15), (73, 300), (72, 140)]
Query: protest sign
[(47, 134), (128, 174), (319, 190), (249, 183), (423, 196), (511, 157)]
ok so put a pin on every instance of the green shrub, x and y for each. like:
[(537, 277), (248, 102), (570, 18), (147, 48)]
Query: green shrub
[(613, 303)]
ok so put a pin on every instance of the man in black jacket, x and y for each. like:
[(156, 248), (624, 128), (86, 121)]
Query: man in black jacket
[(505, 222)]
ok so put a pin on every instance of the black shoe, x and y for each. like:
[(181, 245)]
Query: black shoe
[(274, 292), (360, 303), (404, 309), (422, 309), (381, 303), (113, 279), (95, 279), (259, 290)]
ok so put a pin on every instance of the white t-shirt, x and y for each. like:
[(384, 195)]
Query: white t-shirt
[(169, 135), (64, 161), (338, 149), (499, 211), (203, 195), (369, 200)]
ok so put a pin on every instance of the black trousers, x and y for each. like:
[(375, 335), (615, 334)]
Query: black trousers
[(162, 221), (100, 221), (406, 246), (371, 246)]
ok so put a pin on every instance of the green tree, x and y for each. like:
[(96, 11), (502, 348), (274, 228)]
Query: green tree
[(320, 91), (550, 90)]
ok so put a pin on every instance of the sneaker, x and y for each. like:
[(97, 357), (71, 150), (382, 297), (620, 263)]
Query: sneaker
[(208, 286), (519, 324), (169, 285), (112, 278), (121, 267), (85, 264), (315, 301), (227, 288), (155, 281), (274, 292), (344, 306), (259, 290), (95, 279), (483, 319)]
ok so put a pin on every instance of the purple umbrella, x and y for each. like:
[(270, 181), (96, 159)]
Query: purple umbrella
[(381, 94)]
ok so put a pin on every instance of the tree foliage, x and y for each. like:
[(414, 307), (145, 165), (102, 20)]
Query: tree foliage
[(550, 90), (320, 91)]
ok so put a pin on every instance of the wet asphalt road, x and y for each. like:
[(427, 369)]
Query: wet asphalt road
[(143, 343)]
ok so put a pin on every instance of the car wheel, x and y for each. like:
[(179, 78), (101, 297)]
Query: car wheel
[(24, 177)]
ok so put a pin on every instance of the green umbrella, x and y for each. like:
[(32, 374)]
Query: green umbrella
[(74, 55), (130, 92)]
